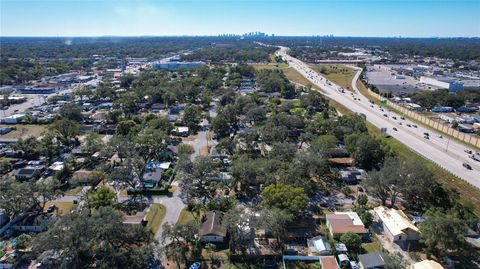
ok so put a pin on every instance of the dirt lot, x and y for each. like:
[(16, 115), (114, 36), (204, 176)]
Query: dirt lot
[(23, 131)]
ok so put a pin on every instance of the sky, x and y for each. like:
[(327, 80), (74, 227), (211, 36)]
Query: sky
[(407, 18)]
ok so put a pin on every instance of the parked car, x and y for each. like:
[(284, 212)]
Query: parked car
[(467, 166), (195, 265), (51, 208)]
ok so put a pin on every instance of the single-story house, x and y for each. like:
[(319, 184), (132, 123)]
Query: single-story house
[(426, 264), (396, 224), (329, 262), (371, 261), (212, 230), (352, 176), (339, 223), (318, 246), (181, 131), (29, 172), (35, 223), (137, 219)]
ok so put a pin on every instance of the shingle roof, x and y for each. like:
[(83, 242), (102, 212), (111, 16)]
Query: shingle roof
[(372, 260), (212, 224)]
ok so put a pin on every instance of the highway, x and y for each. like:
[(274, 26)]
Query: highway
[(445, 152)]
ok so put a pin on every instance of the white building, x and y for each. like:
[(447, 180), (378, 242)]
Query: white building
[(396, 225), (449, 84)]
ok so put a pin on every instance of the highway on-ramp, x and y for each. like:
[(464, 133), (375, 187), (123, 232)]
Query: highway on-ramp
[(445, 152)]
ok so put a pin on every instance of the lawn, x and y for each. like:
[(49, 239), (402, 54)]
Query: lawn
[(24, 131), (185, 217), (338, 74), (371, 247), (63, 207), (73, 192), (155, 216)]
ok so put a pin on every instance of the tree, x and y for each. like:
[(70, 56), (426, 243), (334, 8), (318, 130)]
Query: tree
[(362, 200), (23, 241), (366, 150), (65, 130), (352, 241), (388, 182), (442, 232), (150, 143), (179, 239), (101, 197), (192, 116), (93, 143), (197, 181), (84, 239), (83, 91), (71, 111), (282, 196)]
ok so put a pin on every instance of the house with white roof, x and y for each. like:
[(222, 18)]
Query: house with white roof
[(318, 246), (396, 225)]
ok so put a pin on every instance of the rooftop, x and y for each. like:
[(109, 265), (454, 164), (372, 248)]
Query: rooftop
[(395, 220), (343, 222)]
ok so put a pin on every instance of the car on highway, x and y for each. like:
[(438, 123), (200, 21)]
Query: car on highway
[(414, 126), (402, 118), (400, 123), (371, 106), (426, 137), (426, 134), (408, 125), (440, 136), (394, 117), (467, 166), (395, 129), (468, 151), (385, 115)]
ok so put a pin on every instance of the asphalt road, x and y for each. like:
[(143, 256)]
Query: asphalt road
[(434, 148)]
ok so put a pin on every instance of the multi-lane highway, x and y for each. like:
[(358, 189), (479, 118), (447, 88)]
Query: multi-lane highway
[(446, 152)]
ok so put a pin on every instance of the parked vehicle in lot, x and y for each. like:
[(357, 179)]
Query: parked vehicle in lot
[(467, 166)]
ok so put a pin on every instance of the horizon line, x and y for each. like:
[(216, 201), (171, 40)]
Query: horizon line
[(232, 35)]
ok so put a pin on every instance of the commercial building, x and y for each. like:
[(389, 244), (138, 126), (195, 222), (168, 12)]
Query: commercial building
[(174, 65), (13, 119), (442, 83), (396, 225)]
